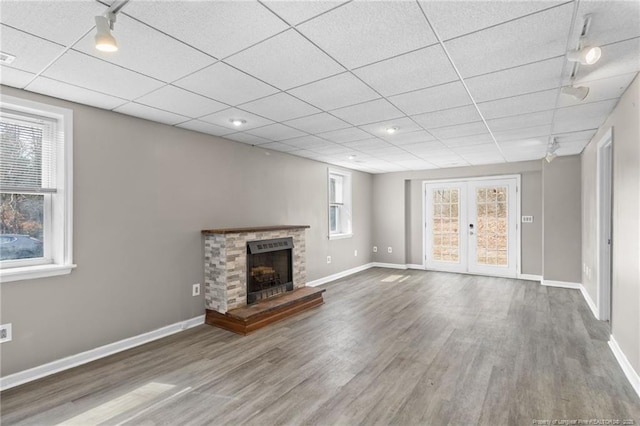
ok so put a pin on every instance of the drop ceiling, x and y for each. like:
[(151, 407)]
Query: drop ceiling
[(462, 82)]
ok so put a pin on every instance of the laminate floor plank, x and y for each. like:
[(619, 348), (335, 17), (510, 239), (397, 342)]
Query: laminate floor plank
[(401, 347)]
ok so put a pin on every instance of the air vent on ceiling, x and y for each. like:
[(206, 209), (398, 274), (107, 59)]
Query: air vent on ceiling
[(6, 59)]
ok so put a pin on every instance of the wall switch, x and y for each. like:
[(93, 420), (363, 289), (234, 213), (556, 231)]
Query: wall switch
[(5, 333), (195, 290), (328, 259), (375, 249), (355, 252), (389, 250), (527, 219)]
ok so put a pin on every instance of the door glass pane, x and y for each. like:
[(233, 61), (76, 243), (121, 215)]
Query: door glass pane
[(445, 225), (492, 232)]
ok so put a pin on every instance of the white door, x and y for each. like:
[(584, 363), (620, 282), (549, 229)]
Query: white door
[(471, 226)]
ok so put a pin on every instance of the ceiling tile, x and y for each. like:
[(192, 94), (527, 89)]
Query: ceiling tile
[(368, 144), (403, 139), (582, 117), (575, 136), (422, 148), (600, 90), (533, 38), (403, 125), (617, 59), (535, 77), (318, 123), (360, 33), (526, 133), (247, 138), (332, 149), (477, 160), (445, 96), (368, 112), (335, 92), (448, 117), (416, 164), (295, 12), (415, 70), (92, 73), (149, 113), (226, 84), (218, 28), (486, 149), (477, 139), (345, 135), (280, 107), (452, 161), (612, 21), (208, 128), (278, 146), (223, 118), (147, 51), (277, 132), (515, 105), (179, 101), (32, 53), (455, 18), (459, 130), (285, 61), (520, 121), (307, 142), (62, 22), (61, 90), (15, 78)]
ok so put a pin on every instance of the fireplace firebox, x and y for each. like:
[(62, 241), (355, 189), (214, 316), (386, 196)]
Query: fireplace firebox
[(269, 268)]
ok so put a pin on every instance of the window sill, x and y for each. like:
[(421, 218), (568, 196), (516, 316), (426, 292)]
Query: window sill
[(340, 236), (32, 272)]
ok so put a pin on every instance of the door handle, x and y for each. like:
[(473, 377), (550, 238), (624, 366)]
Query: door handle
[(471, 229)]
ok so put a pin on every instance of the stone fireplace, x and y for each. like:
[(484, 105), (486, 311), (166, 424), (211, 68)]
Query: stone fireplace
[(230, 254)]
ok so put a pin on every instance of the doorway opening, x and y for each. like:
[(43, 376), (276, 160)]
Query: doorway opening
[(604, 224)]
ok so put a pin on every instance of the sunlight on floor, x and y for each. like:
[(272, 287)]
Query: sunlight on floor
[(394, 278)]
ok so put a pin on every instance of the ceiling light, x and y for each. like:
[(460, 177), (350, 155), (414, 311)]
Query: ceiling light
[(391, 130), (6, 59), (550, 156), (351, 157), (237, 122), (551, 150), (586, 55), (105, 42), (578, 93)]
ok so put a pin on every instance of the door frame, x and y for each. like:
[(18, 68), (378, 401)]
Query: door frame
[(604, 224), (468, 179)]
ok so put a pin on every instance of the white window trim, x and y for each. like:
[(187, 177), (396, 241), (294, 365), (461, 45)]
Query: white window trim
[(62, 230), (348, 201)]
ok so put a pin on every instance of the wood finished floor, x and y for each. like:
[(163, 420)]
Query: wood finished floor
[(428, 348)]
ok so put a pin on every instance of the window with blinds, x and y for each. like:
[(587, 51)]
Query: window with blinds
[(35, 199), (339, 204)]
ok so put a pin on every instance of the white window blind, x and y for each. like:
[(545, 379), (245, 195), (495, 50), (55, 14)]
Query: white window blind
[(28, 147)]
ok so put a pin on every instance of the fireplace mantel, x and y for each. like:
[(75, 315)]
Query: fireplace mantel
[(253, 229)]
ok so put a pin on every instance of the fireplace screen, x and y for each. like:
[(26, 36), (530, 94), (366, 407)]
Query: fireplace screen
[(269, 268)]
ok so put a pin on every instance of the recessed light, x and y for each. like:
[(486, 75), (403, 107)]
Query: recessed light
[(6, 59), (352, 157), (391, 130), (237, 122)]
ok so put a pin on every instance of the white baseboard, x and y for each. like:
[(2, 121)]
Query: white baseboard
[(339, 275), (530, 277), (44, 370), (389, 265), (589, 301), (628, 370), (415, 266), (561, 284)]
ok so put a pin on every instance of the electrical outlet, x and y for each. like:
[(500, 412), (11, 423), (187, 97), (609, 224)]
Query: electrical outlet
[(328, 259), (195, 290), (355, 253), (389, 250), (527, 219), (375, 249), (5, 333)]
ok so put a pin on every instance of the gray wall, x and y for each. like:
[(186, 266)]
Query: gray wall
[(562, 256), (142, 194), (397, 200), (625, 315)]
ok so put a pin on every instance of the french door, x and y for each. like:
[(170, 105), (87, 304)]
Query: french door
[(471, 226)]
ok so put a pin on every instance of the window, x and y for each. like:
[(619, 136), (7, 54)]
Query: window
[(35, 189), (339, 204)]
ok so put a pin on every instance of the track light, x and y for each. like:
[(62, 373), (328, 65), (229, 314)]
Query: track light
[(578, 93), (105, 42), (586, 55), (551, 150)]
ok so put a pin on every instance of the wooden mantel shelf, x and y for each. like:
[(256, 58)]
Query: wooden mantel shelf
[(253, 229)]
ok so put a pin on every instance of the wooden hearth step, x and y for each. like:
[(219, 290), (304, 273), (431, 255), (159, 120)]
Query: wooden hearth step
[(253, 317)]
